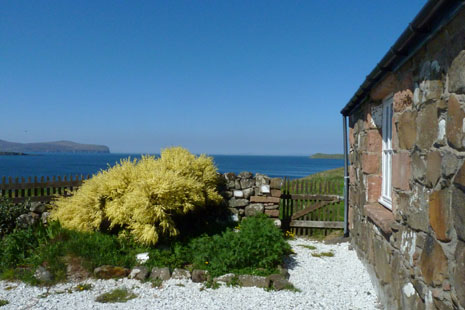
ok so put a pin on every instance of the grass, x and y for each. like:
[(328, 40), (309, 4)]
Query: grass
[(310, 247), (323, 254), (83, 287), (116, 295), (3, 302), (332, 174)]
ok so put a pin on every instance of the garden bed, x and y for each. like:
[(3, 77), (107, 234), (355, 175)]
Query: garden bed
[(322, 282)]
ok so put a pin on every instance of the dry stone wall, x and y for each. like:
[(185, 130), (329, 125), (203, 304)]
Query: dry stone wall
[(248, 195), (416, 251)]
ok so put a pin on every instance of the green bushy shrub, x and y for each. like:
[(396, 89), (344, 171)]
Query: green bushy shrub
[(257, 244), (9, 212), (142, 198)]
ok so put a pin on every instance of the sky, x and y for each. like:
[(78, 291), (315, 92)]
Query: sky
[(217, 77)]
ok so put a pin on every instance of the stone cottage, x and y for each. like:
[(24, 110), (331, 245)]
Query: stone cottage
[(406, 148)]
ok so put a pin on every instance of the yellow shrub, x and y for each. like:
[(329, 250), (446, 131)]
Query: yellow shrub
[(142, 196)]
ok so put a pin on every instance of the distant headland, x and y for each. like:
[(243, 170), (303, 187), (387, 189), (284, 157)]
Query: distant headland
[(51, 147), (327, 156)]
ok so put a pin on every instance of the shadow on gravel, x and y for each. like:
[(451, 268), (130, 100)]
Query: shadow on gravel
[(290, 262)]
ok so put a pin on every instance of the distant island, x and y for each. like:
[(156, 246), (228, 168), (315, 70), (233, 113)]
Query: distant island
[(51, 147), (327, 156), (12, 153)]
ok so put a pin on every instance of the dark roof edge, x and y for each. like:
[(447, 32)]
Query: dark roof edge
[(432, 17)]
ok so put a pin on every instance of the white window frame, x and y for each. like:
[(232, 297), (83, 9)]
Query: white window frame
[(386, 187)]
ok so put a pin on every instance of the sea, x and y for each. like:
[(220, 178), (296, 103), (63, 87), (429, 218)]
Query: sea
[(61, 164)]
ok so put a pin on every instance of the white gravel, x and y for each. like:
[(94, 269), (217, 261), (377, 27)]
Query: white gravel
[(339, 282)]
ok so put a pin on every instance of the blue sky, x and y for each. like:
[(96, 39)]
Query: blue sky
[(217, 77)]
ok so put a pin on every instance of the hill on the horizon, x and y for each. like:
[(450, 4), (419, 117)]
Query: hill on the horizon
[(327, 156), (52, 147)]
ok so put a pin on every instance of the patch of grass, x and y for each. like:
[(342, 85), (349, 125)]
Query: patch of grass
[(3, 302), (333, 174), (292, 288), (212, 284), (157, 282), (180, 284), (323, 254), (83, 287), (116, 295), (310, 247)]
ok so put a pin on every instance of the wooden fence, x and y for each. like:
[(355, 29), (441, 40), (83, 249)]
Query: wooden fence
[(312, 206), (39, 189)]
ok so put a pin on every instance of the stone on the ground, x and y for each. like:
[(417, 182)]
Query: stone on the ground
[(199, 275), (278, 281), (245, 175), (38, 207), (226, 278), (247, 280), (160, 273), (43, 275), (179, 273), (142, 258), (110, 272), (139, 273)]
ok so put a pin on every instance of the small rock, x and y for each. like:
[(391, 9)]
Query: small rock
[(276, 183), (26, 220), (238, 194), (139, 273), (38, 207), (248, 192), (230, 176), (283, 272), (247, 183), (265, 189), (261, 179), (199, 275), (278, 281), (245, 175), (142, 258), (43, 275), (226, 278), (277, 223), (110, 272), (160, 273), (179, 273), (254, 209), (237, 203), (44, 217), (257, 281)]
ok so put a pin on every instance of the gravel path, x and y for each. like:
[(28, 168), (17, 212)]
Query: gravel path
[(338, 282)]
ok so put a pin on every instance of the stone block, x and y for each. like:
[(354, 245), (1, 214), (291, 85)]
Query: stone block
[(382, 217), (427, 126), (254, 209), (407, 129), (238, 194), (433, 262), (439, 214), (455, 130), (371, 163), (160, 273), (432, 89), (418, 167), (402, 100), (257, 281), (449, 165), (265, 189), (433, 168), (387, 86), (373, 141), (248, 192), (261, 179), (247, 183), (237, 184), (199, 276), (459, 274), (401, 171), (110, 272), (459, 179), (245, 175), (139, 273), (179, 273), (457, 74), (374, 118), (272, 213), (230, 176), (238, 203), (262, 199), (276, 193), (458, 212), (373, 188), (276, 183)]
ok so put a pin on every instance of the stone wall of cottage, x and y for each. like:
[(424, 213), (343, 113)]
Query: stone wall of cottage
[(416, 252), (248, 195)]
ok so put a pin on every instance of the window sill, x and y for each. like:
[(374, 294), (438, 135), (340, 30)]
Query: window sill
[(382, 217)]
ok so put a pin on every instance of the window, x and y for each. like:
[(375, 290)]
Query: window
[(385, 198)]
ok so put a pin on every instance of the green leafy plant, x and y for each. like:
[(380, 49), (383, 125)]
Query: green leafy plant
[(116, 295), (258, 244), (9, 212), (3, 302)]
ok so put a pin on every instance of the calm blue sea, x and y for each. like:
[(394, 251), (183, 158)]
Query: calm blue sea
[(74, 164)]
